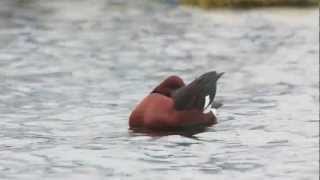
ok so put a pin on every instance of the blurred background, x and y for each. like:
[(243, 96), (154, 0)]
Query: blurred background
[(72, 71)]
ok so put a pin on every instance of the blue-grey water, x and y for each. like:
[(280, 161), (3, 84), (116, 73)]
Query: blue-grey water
[(72, 71)]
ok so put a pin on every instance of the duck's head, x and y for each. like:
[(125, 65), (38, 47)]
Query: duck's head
[(169, 85)]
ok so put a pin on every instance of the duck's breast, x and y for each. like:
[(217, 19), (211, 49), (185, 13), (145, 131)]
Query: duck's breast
[(153, 111)]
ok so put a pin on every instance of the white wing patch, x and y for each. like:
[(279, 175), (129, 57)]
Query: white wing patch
[(214, 111), (206, 101), (207, 107)]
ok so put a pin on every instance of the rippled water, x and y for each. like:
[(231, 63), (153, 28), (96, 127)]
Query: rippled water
[(71, 72)]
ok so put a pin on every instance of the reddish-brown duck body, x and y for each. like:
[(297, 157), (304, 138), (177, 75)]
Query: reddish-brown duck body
[(174, 106)]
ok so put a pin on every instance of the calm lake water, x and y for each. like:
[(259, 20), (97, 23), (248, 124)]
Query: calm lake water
[(72, 71)]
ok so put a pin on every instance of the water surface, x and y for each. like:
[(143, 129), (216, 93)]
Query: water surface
[(71, 72)]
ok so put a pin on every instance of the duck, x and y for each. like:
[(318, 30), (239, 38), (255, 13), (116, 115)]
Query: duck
[(173, 105)]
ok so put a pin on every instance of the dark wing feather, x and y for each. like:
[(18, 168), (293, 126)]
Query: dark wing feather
[(193, 95), (217, 104)]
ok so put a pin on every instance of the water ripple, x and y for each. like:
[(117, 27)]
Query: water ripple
[(71, 72)]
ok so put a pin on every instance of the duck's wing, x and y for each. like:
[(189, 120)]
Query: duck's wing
[(199, 94)]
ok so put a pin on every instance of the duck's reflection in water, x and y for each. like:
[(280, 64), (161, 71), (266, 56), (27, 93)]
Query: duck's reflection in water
[(189, 132)]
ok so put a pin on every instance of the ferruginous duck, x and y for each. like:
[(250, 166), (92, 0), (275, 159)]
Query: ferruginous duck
[(172, 105)]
